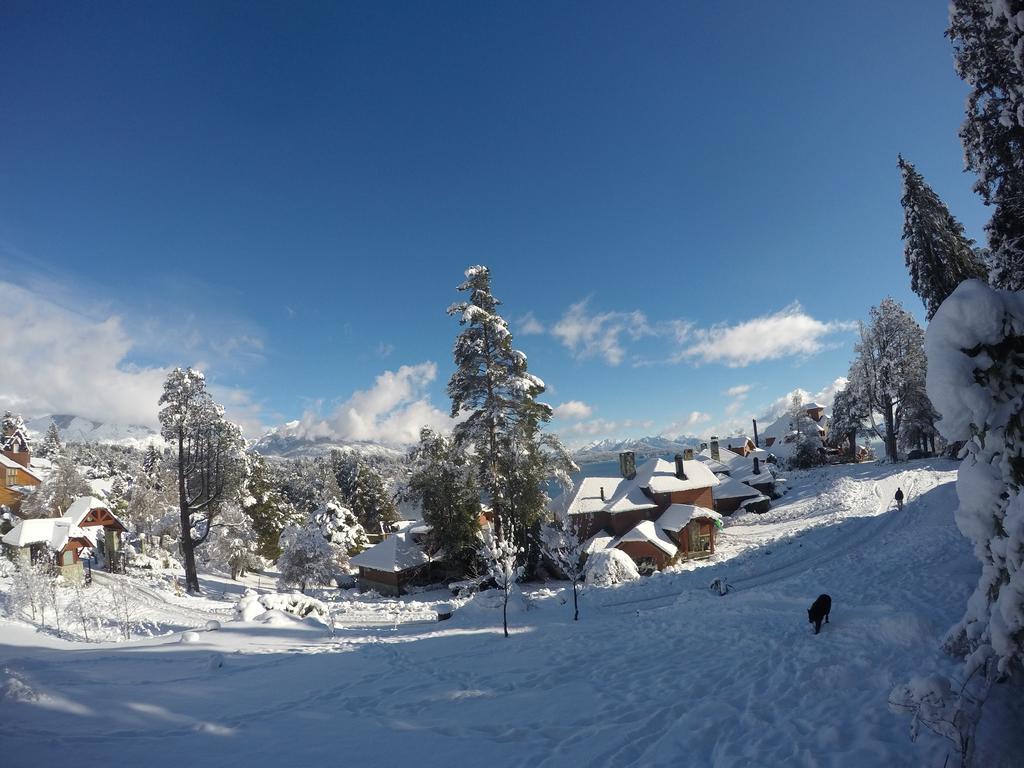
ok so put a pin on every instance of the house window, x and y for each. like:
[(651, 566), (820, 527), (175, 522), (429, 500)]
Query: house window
[(11, 476), (700, 537), (68, 558)]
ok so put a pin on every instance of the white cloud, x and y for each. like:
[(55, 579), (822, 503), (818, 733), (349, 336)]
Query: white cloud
[(573, 409), (384, 350), (826, 395), (790, 332), (600, 335), (57, 360), (739, 390), (528, 325), (679, 428), (392, 411)]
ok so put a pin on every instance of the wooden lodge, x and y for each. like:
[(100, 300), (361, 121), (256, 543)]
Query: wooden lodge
[(658, 514), (17, 480)]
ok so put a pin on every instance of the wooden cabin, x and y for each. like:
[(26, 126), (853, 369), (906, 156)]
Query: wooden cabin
[(17, 480), (391, 566), (91, 514)]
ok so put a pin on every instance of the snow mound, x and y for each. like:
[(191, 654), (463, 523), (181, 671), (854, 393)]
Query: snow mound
[(190, 637), (14, 689), (212, 625), (610, 567)]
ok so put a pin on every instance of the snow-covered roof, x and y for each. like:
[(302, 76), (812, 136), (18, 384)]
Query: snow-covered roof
[(597, 542), (814, 406), (52, 531), (587, 497), (649, 532), (622, 495), (730, 488), (396, 553), (83, 505), (678, 516), (761, 478), (659, 476), (734, 440), (715, 466), (755, 500), (7, 461)]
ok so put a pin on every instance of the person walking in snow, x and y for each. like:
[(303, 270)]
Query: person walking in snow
[(899, 498)]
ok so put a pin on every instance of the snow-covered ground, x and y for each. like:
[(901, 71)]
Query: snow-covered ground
[(658, 672)]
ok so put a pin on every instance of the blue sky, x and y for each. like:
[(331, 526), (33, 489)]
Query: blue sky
[(675, 200)]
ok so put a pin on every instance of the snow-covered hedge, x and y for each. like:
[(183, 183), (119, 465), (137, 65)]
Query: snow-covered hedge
[(252, 606), (975, 347), (609, 567)]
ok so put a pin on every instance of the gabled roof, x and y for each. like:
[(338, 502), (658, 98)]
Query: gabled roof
[(52, 531), (735, 440), (715, 466), (7, 461), (678, 516), (761, 478), (622, 495), (395, 554), (651, 533), (733, 489), (83, 505)]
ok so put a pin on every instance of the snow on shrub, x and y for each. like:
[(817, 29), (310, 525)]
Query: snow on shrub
[(190, 637), (975, 347), (253, 607), (609, 567)]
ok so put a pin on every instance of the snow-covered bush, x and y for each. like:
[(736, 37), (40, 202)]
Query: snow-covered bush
[(609, 567), (306, 557), (232, 545), (252, 606), (566, 546), (975, 347)]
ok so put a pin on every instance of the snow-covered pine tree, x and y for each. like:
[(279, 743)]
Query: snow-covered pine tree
[(269, 510), (496, 395), (938, 254), (975, 347), (306, 557), (342, 530), (208, 459), (501, 556), (232, 545), (889, 365), (988, 48), (363, 491), (442, 481), (13, 434), (51, 447)]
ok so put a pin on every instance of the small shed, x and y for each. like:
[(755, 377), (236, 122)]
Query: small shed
[(392, 565), (648, 545), (730, 494), (33, 539), (692, 528)]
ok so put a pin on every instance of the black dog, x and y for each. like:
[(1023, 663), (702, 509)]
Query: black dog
[(819, 610)]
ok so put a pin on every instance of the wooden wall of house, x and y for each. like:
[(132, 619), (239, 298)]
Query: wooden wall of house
[(641, 549), (10, 498), (385, 582), (699, 497), (706, 527), (22, 457), (728, 506)]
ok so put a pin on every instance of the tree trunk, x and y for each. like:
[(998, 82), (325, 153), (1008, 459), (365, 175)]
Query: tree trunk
[(853, 445), (188, 551), (890, 431), (575, 603), (504, 613)]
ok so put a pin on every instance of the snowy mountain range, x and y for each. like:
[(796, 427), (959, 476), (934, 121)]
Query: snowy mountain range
[(605, 450), (78, 429), (287, 442)]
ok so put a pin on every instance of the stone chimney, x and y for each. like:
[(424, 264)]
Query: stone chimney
[(757, 466), (680, 470), (757, 443), (715, 453), (688, 454), (627, 464), (703, 446)]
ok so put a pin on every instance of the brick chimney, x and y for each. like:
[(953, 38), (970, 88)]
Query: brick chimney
[(680, 470), (627, 464), (715, 453)]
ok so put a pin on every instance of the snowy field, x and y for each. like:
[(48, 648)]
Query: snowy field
[(658, 672)]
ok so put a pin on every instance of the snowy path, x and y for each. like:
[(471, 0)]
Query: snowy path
[(729, 681)]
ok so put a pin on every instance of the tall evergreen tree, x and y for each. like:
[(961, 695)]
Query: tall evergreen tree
[(442, 481), (51, 446), (496, 396), (988, 45), (939, 256), (269, 511), (208, 459), (364, 492)]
